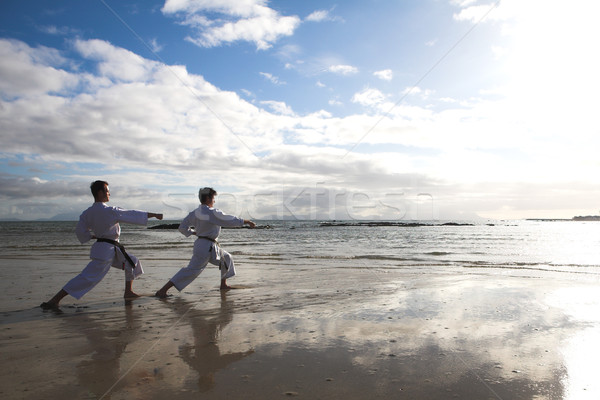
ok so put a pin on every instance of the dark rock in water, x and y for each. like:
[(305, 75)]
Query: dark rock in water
[(164, 226), (587, 218), (390, 223), (176, 226), (247, 227)]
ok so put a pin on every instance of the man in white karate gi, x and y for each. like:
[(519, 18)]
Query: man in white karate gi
[(205, 222), (101, 222)]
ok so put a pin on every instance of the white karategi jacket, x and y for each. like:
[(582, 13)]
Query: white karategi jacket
[(102, 221), (206, 221)]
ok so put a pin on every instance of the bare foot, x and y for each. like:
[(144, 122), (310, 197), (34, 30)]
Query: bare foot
[(224, 286), (49, 306), (130, 295), (161, 294)]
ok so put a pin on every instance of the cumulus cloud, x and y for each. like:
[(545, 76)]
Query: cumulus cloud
[(415, 90), (385, 74), (124, 119), (30, 71), (318, 16), (221, 22), (278, 107), (143, 113), (474, 13), (343, 69), (369, 97), (139, 121), (114, 62)]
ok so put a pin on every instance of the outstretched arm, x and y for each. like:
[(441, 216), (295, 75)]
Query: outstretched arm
[(249, 223), (153, 215)]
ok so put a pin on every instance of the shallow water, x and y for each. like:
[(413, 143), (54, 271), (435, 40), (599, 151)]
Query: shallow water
[(567, 246)]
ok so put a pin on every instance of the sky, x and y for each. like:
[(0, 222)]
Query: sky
[(370, 109)]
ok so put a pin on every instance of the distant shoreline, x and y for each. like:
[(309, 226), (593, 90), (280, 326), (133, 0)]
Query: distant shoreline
[(351, 222), (550, 219), (577, 218), (587, 218)]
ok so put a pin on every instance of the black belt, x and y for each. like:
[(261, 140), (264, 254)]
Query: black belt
[(208, 238), (217, 243), (120, 246)]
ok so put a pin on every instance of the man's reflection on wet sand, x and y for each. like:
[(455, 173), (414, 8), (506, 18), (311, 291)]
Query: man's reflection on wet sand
[(107, 335), (204, 355)]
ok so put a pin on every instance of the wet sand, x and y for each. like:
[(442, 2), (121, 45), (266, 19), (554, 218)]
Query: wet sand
[(306, 334)]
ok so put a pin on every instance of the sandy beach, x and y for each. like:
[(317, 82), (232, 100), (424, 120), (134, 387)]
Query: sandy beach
[(306, 334)]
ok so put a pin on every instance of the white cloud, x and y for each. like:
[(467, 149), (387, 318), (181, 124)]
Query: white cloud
[(146, 122), (343, 69), (317, 16), (155, 46), (415, 90), (369, 97), (141, 104), (28, 71), (474, 13), (385, 74), (248, 20), (271, 78), (116, 63), (463, 3), (56, 30), (279, 107)]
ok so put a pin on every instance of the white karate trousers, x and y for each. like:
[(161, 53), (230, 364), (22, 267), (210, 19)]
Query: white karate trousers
[(104, 256), (205, 252)]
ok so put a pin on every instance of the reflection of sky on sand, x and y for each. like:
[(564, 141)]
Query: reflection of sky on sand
[(112, 347), (80, 352), (355, 335), (581, 351), (485, 336)]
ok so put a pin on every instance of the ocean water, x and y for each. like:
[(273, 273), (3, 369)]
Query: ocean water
[(562, 246)]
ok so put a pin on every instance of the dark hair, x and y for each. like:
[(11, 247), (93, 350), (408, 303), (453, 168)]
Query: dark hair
[(97, 186), (206, 193)]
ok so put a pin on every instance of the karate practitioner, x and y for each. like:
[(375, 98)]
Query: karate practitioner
[(205, 222), (101, 222)]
